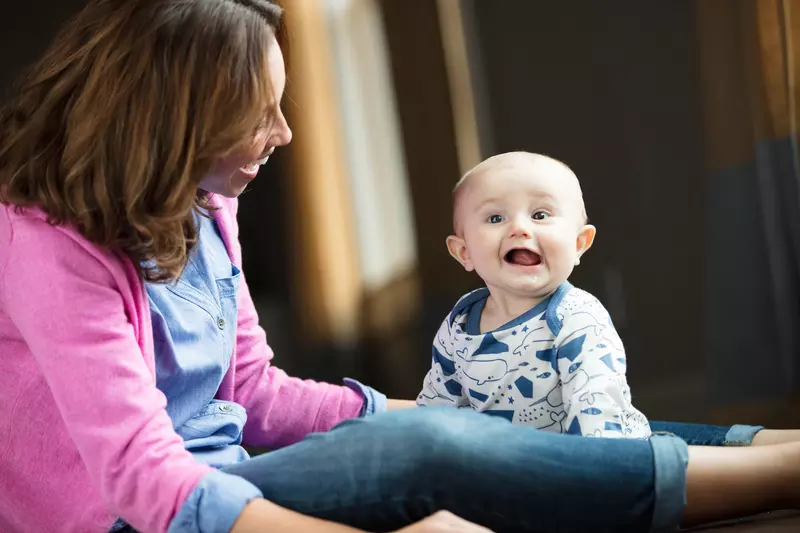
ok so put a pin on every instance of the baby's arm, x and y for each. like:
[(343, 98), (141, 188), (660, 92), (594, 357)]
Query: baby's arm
[(591, 362), (441, 386)]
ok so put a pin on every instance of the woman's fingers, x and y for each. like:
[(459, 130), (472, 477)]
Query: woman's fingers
[(444, 522)]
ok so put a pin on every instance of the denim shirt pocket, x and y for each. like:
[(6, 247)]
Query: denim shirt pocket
[(220, 423), (201, 299)]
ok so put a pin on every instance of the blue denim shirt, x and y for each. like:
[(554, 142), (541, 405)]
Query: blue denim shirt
[(194, 330)]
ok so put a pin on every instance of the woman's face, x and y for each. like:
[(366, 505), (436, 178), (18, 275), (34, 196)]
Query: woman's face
[(230, 175)]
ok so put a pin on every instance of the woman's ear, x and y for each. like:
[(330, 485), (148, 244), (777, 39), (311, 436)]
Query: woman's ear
[(458, 249)]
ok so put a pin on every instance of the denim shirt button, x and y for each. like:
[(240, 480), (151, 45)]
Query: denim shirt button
[(221, 323)]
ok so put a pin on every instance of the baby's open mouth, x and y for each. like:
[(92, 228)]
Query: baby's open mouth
[(523, 257)]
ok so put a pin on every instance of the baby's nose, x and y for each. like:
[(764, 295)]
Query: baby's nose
[(521, 228)]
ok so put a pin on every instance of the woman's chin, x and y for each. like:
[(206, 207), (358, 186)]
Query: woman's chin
[(232, 189), (228, 184)]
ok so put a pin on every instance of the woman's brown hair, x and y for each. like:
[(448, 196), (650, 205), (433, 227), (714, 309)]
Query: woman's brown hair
[(113, 129)]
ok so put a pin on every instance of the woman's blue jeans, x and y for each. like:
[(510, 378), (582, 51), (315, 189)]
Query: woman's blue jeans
[(385, 471), (705, 435)]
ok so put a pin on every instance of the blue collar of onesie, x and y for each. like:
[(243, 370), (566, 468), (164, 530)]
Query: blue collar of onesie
[(473, 303)]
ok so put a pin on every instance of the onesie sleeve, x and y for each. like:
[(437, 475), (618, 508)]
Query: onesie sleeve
[(591, 363)]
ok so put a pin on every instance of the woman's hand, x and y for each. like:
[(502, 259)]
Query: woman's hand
[(262, 516), (399, 404), (443, 522)]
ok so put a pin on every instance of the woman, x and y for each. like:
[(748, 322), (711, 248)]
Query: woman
[(134, 366)]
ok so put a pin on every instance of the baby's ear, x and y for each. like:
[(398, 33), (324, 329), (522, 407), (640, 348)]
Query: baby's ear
[(458, 249), (585, 239)]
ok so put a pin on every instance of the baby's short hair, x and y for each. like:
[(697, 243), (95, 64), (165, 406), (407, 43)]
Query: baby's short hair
[(487, 164)]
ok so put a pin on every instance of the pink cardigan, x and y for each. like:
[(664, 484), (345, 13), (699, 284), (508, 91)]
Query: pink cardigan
[(84, 435)]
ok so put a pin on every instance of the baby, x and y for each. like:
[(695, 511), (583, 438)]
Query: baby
[(529, 347)]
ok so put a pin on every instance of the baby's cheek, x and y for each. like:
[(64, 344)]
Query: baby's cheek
[(562, 258)]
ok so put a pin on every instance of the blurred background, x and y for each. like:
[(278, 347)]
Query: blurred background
[(679, 117)]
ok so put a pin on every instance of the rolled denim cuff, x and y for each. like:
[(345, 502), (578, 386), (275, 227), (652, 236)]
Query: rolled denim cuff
[(670, 459), (214, 504), (740, 435), (374, 401)]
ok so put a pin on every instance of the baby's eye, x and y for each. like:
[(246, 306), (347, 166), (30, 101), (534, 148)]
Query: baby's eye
[(495, 219), (540, 215)]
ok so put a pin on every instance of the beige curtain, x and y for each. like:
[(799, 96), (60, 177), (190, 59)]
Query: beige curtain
[(324, 263)]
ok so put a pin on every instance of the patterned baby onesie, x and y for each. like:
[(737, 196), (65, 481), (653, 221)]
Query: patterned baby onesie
[(560, 367)]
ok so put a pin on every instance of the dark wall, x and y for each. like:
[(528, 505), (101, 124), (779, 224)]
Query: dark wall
[(26, 29), (612, 89)]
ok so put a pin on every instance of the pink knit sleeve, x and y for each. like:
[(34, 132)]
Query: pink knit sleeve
[(68, 301), (280, 409)]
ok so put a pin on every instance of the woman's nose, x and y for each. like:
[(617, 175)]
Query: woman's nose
[(282, 133)]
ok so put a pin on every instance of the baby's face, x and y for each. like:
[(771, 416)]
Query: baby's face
[(522, 225)]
